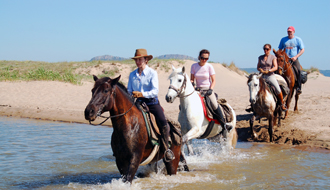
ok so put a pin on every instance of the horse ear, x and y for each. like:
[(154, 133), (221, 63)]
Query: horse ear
[(259, 75), (183, 69), (274, 51), (95, 78), (115, 81), (173, 68)]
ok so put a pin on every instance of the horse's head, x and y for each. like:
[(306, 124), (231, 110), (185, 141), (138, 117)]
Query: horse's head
[(282, 60), (102, 95), (178, 82), (254, 86)]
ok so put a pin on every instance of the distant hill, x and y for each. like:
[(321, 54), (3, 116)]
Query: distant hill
[(167, 56), (176, 56), (107, 58)]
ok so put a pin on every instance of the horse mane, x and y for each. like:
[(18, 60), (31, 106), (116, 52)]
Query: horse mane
[(119, 84)]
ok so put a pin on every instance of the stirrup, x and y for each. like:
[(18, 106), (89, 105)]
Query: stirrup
[(286, 109), (169, 155), (299, 91), (228, 127)]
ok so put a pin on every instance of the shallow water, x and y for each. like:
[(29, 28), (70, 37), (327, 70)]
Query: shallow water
[(54, 155)]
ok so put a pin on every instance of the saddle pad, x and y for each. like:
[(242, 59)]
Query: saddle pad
[(226, 109), (153, 129)]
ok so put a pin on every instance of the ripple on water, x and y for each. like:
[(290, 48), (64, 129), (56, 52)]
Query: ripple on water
[(55, 155)]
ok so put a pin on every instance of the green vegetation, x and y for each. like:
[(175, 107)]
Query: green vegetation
[(71, 72), (312, 69)]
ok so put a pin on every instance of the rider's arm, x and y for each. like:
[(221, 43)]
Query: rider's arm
[(258, 65), (192, 77), (275, 67), (212, 81), (298, 55)]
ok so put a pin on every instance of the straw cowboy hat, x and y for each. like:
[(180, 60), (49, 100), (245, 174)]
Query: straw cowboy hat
[(142, 53)]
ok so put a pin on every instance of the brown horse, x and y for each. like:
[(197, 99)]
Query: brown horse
[(130, 141), (285, 69)]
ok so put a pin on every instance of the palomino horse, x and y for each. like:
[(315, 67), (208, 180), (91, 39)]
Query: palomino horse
[(191, 117), (285, 69), (263, 103), (130, 141)]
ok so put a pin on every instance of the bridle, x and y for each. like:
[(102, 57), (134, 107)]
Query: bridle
[(179, 91), (106, 102), (290, 64)]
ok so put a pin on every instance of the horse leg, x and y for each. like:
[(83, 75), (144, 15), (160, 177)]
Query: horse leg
[(131, 168), (189, 148), (254, 135), (172, 166), (270, 127), (288, 101), (296, 102), (184, 162), (279, 115)]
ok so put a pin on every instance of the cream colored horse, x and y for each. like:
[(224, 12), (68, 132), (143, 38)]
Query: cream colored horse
[(191, 117)]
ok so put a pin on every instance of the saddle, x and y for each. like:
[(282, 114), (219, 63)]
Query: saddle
[(209, 112), (303, 75), (284, 88), (153, 129)]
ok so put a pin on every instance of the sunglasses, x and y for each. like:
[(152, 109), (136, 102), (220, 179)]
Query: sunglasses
[(266, 49), (203, 58)]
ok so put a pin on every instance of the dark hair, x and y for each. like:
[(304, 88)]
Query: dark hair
[(270, 47), (202, 52)]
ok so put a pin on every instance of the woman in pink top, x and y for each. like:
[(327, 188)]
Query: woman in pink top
[(204, 74)]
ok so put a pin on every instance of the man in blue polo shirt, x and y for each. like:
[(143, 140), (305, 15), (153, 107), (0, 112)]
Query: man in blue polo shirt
[(294, 48)]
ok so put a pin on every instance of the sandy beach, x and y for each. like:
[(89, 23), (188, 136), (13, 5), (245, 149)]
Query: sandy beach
[(58, 101)]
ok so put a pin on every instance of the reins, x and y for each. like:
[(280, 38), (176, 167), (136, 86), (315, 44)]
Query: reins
[(179, 91), (290, 64), (109, 117)]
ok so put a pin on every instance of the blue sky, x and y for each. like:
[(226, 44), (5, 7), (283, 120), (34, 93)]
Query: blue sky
[(236, 30)]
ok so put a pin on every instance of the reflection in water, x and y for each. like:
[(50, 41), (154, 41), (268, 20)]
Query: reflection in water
[(55, 155)]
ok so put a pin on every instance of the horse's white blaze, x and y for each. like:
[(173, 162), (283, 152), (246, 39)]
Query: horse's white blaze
[(191, 117)]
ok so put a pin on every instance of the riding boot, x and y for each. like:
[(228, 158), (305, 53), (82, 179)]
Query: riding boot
[(280, 98), (165, 133), (299, 83), (220, 117)]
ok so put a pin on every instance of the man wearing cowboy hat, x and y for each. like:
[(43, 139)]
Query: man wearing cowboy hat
[(294, 48), (143, 85)]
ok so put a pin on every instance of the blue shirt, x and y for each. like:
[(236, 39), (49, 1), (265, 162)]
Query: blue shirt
[(147, 82), (292, 46)]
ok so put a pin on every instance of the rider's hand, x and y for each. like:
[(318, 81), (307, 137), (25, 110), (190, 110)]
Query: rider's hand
[(137, 94), (266, 72), (261, 70), (209, 92)]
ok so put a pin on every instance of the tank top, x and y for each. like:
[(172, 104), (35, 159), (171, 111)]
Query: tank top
[(266, 65)]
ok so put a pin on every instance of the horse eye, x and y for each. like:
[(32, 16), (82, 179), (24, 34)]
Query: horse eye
[(255, 85), (106, 91), (180, 80)]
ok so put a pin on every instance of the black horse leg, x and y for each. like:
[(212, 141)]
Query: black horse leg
[(253, 134), (270, 128), (132, 168), (184, 162)]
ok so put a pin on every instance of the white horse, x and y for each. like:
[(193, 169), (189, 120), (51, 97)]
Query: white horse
[(263, 103), (191, 117)]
